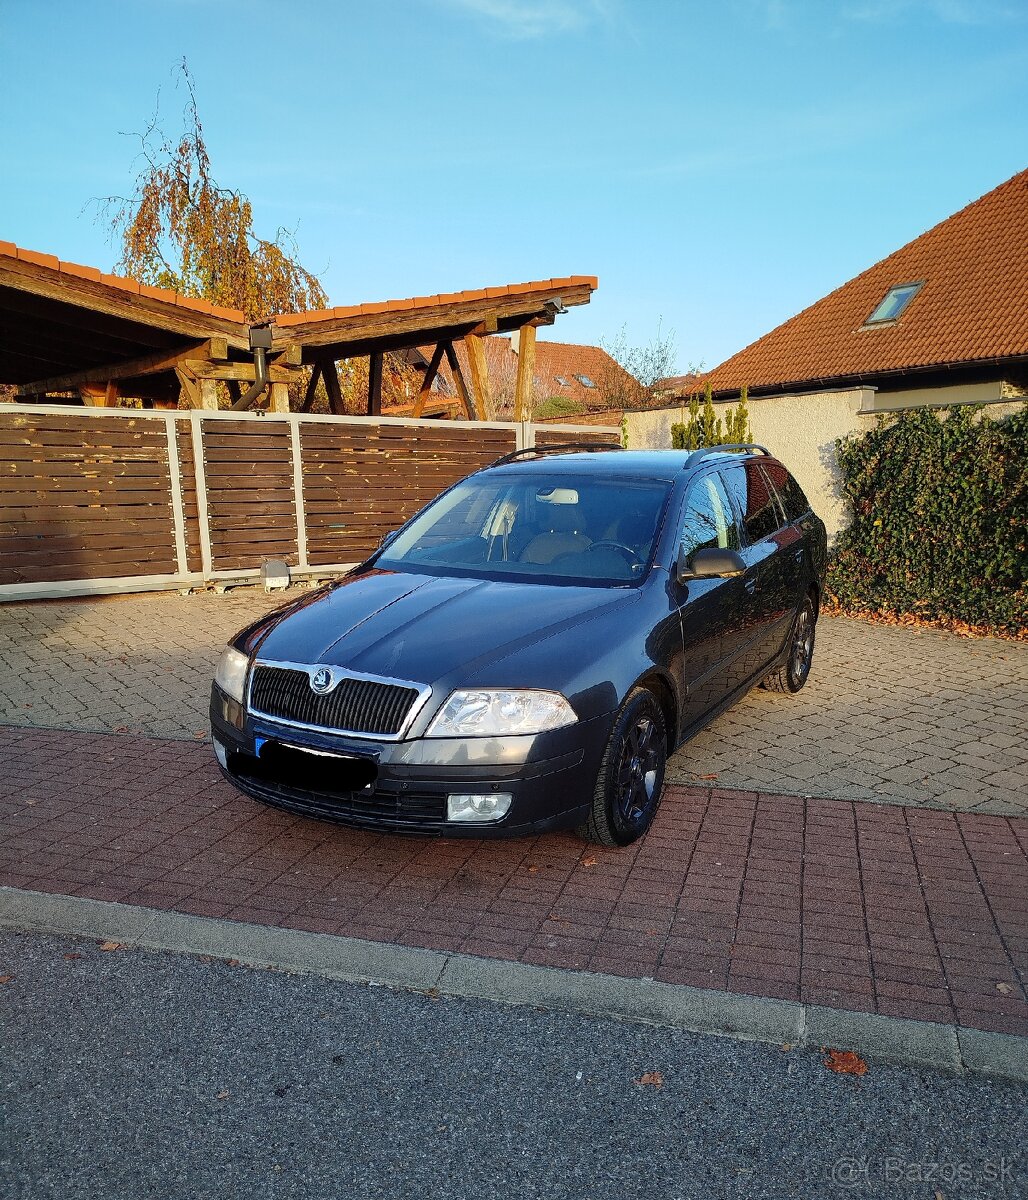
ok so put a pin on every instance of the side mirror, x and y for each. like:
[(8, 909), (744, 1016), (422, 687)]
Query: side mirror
[(709, 563)]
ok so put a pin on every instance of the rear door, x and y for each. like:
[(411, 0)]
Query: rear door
[(768, 551), (711, 610)]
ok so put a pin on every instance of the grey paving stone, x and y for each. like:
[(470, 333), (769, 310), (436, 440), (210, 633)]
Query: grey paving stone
[(890, 715)]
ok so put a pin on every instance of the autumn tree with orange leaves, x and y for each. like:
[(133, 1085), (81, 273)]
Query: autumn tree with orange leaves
[(180, 229)]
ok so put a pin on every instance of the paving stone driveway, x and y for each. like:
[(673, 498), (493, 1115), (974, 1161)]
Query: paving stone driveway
[(889, 715)]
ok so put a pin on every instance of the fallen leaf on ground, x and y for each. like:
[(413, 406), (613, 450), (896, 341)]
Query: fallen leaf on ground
[(714, 776), (233, 962), (591, 861), (1004, 988), (111, 946), (6, 978), (222, 1095), (69, 957), (200, 735), (532, 869), (121, 729), (845, 1062), (432, 993), (786, 1046), (652, 1079)]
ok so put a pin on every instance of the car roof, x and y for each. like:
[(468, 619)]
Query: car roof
[(639, 464)]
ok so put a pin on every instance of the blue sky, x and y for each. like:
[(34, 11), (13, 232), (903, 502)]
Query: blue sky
[(717, 165)]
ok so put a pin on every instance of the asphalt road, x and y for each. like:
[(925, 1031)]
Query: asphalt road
[(129, 1074)]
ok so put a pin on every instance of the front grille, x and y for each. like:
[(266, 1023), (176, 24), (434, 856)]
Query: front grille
[(353, 705), (423, 812)]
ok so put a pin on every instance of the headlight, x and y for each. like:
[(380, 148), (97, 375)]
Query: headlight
[(231, 673), (500, 714)]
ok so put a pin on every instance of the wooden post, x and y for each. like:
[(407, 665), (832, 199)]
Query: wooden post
[(459, 381), (375, 385), (279, 398), (479, 377), (209, 394), (525, 385)]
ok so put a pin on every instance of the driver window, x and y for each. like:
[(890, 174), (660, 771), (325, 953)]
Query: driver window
[(707, 519)]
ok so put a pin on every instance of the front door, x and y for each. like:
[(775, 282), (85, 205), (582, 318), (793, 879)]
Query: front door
[(711, 610)]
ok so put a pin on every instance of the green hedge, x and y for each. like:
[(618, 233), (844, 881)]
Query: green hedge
[(940, 519)]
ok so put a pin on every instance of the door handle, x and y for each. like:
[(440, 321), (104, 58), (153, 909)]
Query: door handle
[(750, 585)]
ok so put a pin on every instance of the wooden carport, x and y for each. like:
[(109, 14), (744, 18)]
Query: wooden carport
[(73, 334)]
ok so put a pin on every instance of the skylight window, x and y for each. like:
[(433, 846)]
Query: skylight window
[(585, 381), (562, 381), (894, 304)]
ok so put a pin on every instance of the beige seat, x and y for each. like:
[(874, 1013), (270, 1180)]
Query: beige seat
[(561, 538)]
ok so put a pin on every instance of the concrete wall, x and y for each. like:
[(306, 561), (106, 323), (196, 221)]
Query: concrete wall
[(800, 430)]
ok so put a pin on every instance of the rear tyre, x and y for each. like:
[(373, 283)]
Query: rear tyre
[(631, 776), (792, 674)]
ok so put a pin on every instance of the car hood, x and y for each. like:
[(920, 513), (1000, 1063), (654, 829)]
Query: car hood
[(426, 628)]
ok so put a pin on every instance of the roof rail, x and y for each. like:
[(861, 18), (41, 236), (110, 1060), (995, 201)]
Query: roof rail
[(698, 455), (556, 449)]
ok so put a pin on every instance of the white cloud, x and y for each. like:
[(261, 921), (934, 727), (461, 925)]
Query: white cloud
[(948, 12), (524, 19)]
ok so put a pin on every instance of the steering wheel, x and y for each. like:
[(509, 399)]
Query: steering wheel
[(633, 559)]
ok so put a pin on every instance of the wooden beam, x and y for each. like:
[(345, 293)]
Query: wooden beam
[(479, 378), (426, 384), (290, 355), (234, 390), (242, 371), (335, 395), (524, 387), (312, 387), (459, 381), (150, 364), (375, 385), (189, 388)]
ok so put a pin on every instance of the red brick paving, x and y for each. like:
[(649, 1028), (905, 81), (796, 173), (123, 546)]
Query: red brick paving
[(902, 911)]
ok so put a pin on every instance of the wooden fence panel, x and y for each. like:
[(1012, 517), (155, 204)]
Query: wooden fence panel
[(362, 480), (86, 498), (250, 499), (83, 499)]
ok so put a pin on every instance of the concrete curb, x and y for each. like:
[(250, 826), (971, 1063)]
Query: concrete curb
[(753, 1018)]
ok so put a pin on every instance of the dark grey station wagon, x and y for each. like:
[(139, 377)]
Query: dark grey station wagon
[(527, 650)]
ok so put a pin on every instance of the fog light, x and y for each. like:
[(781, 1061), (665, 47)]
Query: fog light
[(483, 807), (220, 753)]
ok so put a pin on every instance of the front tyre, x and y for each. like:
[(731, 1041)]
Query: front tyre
[(631, 775)]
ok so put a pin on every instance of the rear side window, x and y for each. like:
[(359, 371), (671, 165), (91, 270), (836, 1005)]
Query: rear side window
[(789, 491), (754, 498), (707, 518)]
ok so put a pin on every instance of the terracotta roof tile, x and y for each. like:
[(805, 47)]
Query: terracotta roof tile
[(121, 282), (973, 306)]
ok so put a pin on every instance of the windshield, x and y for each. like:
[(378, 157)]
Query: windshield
[(550, 529)]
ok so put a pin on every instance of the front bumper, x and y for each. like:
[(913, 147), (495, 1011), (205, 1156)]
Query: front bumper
[(550, 776)]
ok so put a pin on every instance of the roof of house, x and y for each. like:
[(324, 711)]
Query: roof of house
[(972, 307)]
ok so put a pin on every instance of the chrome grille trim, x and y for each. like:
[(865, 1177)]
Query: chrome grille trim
[(381, 709)]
